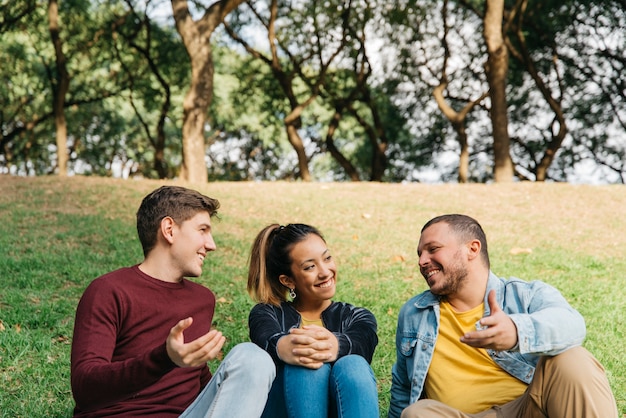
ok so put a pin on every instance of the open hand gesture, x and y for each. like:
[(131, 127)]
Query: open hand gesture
[(194, 353), (501, 332)]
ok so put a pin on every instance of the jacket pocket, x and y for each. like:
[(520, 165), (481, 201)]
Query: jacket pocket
[(410, 341), (407, 344)]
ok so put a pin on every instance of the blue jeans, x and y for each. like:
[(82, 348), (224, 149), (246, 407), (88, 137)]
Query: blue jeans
[(345, 389), (239, 387)]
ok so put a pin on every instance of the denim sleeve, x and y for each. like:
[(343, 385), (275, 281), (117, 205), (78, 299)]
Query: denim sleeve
[(548, 325), (400, 380), (400, 389)]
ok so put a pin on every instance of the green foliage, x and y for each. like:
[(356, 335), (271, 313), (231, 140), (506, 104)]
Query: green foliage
[(130, 72)]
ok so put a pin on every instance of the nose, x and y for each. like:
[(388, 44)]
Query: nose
[(423, 259), (209, 243), (325, 270)]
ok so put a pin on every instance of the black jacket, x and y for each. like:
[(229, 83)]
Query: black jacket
[(354, 327)]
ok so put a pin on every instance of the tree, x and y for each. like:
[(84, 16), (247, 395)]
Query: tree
[(145, 50), (196, 36), (440, 55), (496, 70), (458, 119), (38, 69), (60, 87), (287, 67), (15, 11)]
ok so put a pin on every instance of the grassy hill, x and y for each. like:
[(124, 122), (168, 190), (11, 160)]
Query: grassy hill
[(57, 235)]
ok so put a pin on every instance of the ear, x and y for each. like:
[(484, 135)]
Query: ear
[(167, 229), (473, 249), (286, 281)]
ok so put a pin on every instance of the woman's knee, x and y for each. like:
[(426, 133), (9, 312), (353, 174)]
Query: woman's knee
[(352, 360), (292, 373), (354, 369)]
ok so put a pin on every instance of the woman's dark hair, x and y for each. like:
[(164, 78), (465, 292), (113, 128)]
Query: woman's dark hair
[(270, 258)]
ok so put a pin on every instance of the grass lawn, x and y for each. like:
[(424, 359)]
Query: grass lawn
[(57, 235)]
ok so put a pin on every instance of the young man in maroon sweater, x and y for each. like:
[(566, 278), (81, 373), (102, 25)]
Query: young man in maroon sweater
[(143, 336)]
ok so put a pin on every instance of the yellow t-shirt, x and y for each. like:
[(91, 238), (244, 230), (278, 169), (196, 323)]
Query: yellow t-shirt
[(464, 377), (306, 321)]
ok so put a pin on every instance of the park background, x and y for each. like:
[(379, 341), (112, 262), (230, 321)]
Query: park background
[(334, 90), (58, 234), (524, 100)]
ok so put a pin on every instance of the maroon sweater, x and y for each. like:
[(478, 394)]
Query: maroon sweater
[(120, 366)]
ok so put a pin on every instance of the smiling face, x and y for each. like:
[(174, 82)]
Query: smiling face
[(192, 241), (442, 259), (313, 271)]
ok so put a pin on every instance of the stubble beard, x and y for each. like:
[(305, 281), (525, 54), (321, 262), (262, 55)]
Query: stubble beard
[(455, 277)]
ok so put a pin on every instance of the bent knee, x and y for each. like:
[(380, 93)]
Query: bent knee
[(351, 361), (422, 408), (354, 369), (574, 363), (254, 357)]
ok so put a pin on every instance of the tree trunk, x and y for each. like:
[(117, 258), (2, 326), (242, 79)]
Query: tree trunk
[(457, 120), (296, 142), (347, 166), (496, 70), (463, 175), (60, 87), (197, 40)]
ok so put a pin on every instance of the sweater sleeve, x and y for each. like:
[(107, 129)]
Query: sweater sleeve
[(358, 332), (96, 379), (265, 329)]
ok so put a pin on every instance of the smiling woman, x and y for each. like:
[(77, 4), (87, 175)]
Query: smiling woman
[(322, 348)]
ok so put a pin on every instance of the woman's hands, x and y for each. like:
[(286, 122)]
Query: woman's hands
[(310, 346)]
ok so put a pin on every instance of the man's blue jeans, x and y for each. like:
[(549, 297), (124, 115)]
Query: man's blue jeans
[(345, 389), (239, 387)]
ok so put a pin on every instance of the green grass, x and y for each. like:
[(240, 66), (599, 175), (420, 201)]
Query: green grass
[(57, 235)]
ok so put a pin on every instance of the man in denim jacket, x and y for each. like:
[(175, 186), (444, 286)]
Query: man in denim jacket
[(476, 345)]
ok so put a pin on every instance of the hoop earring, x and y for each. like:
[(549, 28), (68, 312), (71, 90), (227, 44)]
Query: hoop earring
[(292, 293)]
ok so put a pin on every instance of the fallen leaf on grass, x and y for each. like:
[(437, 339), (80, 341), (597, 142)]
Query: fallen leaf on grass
[(63, 339)]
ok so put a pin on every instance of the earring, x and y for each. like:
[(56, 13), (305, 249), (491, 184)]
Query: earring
[(292, 293)]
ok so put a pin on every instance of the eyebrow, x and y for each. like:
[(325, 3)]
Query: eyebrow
[(428, 244), (310, 260)]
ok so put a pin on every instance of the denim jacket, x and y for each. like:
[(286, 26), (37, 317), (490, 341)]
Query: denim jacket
[(546, 326), (354, 327)]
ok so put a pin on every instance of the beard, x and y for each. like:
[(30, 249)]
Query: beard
[(453, 278)]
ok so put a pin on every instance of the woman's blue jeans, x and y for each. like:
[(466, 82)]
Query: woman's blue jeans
[(345, 389)]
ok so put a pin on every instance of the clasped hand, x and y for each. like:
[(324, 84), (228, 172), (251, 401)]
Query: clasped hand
[(501, 332), (194, 353), (310, 346)]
